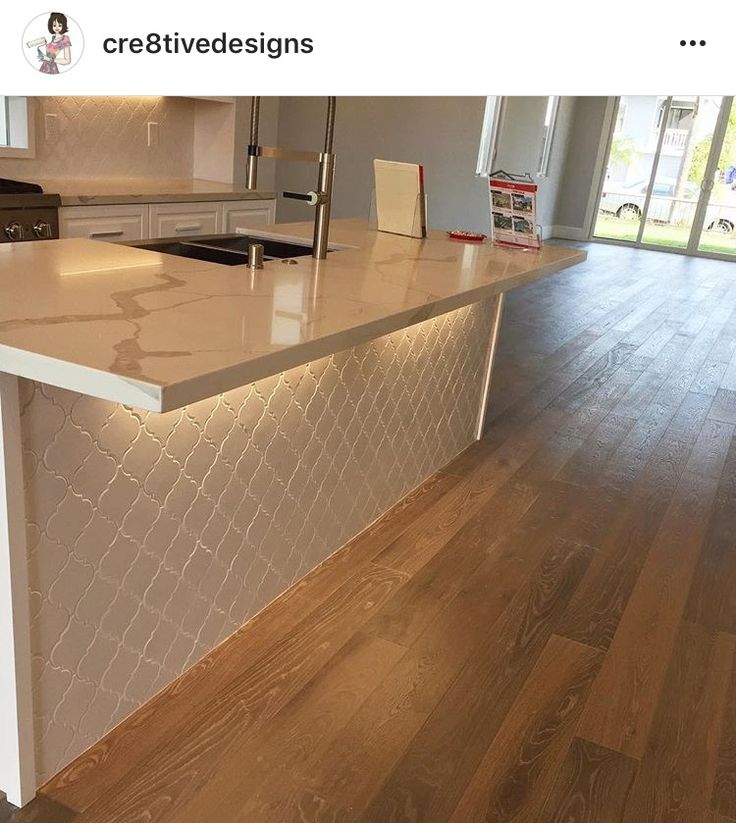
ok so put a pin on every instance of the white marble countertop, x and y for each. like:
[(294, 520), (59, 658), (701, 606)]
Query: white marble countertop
[(106, 191), (158, 332)]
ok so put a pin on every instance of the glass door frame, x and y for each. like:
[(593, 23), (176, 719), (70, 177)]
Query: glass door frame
[(706, 186), (708, 183)]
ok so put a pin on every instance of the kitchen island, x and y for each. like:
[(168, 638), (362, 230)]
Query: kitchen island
[(181, 442)]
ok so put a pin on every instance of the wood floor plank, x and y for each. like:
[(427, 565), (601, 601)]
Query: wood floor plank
[(426, 536), (429, 779), (712, 599), (689, 417), (710, 377), (723, 796), (585, 464), (596, 609), (676, 775), (296, 733), (519, 767), (724, 406), (425, 595), (626, 693), (711, 448), (728, 381), (593, 786), (40, 810), (156, 788), (353, 764), (596, 374)]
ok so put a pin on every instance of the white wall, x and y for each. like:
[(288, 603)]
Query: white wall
[(221, 136)]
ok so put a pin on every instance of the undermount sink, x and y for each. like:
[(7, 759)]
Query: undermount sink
[(226, 249)]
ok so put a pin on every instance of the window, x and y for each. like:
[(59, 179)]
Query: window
[(681, 113), (620, 117), (517, 131), (16, 127), (489, 135), (550, 120), (4, 120)]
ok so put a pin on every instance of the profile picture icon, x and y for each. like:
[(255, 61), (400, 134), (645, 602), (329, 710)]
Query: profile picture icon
[(53, 43)]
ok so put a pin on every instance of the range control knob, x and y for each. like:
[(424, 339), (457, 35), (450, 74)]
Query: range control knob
[(14, 231), (42, 228)]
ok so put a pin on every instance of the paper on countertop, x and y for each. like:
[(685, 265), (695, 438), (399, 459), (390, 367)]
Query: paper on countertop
[(400, 203)]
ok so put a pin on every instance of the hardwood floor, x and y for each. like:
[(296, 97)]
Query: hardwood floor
[(544, 632)]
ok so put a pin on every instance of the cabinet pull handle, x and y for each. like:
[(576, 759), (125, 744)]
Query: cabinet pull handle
[(190, 227), (114, 233)]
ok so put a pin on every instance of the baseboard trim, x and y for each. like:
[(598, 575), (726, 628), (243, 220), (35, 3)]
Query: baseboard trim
[(568, 233)]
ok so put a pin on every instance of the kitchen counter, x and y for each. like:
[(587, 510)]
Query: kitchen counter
[(181, 442), (104, 191), (158, 332)]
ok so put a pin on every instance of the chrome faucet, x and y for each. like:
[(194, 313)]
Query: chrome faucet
[(322, 197)]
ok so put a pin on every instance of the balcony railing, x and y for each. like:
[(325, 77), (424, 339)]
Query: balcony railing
[(674, 141)]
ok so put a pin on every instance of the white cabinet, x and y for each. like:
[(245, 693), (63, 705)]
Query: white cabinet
[(150, 220), (115, 223), (239, 214), (183, 219)]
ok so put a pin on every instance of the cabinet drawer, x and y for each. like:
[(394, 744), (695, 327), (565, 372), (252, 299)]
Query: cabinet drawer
[(111, 223), (242, 214), (183, 219)]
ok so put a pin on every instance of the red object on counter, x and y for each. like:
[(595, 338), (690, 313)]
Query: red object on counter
[(466, 236)]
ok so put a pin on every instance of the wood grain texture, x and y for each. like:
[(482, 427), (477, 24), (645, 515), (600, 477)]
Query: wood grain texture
[(297, 734), (177, 769), (625, 696), (592, 786), (599, 603), (675, 776), (41, 810), (723, 795), (352, 766), (417, 603), (511, 780), (441, 759), (712, 599)]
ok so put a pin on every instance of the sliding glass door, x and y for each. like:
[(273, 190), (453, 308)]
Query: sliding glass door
[(669, 181), (718, 234)]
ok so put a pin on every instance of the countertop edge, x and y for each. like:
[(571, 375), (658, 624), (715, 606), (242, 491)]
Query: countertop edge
[(178, 395), (164, 397), (84, 380), (71, 200)]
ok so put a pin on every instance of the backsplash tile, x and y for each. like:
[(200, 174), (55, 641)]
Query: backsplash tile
[(106, 137), (208, 513)]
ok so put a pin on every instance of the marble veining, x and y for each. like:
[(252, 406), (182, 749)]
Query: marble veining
[(158, 332)]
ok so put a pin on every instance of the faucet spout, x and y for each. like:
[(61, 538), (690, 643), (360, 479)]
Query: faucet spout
[(322, 198)]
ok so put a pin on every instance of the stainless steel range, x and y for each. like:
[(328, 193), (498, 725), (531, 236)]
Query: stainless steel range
[(25, 217)]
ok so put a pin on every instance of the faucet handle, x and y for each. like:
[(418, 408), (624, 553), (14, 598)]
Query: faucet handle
[(314, 198)]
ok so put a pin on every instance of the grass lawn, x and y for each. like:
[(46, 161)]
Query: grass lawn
[(673, 236)]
